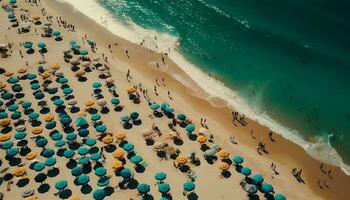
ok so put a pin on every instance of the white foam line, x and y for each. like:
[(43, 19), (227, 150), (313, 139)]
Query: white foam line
[(320, 150)]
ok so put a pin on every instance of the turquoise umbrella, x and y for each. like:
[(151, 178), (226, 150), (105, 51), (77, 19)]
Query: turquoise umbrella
[(77, 171), (39, 166), (101, 128), (6, 145), (33, 115), (60, 143), (20, 135), (83, 132), (83, 52), (68, 153), (101, 171), (115, 101), (102, 182), (95, 117), (56, 136), (11, 16), (136, 159), (50, 125), (17, 88), (31, 76), (238, 160), (13, 80), (62, 80), (12, 151), (83, 179), (96, 85), (16, 115), (47, 153), (28, 45), (58, 102), (80, 121), (83, 160), (126, 173), (13, 107), (164, 105), (67, 90), (190, 128), (3, 115), (13, 1), (71, 136), (258, 179), (66, 120), (99, 194), (41, 45), (189, 186), (125, 118), (134, 115), (52, 90), (39, 95), (83, 151), (50, 161), (90, 141), (95, 156), (143, 188), (35, 86), (246, 171), (56, 33), (181, 116), (160, 176), (280, 197), (76, 46), (90, 42), (26, 104), (7, 96), (169, 110), (154, 106), (60, 185), (72, 42), (266, 188), (128, 147), (163, 188), (41, 142)]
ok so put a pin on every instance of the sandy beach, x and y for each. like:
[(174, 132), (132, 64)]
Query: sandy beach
[(183, 97)]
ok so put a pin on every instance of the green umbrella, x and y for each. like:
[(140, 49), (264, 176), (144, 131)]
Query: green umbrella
[(90, 141), (58, 102), (53, 90), (33, 115), (28, 45), (56, 33), (47, 153), (95, 156), (80, 121), (95, 117), (72, 42), (67, 90), (136, 159), (3, 115), (99, 194), (41, 142), (6, 145), (68, 153), (13, 80), (128, 147), (96, 85), (164, 106), (154, 106), (39, 166), (20, 135), (16, 115), (169, 110), (31, 76), (12, 151), (60, 143), (258, 179), (26, 104), (101, 128), (238, 160), (71, 136), (11, 16), (189, 186), (163, 188), (115, 101), (102, 182), (39, 95), (62, 80), (50, 125), (125, 118), (101, 171), (7, 96), (50, 161), (160, 176), (66, 120), (126, 173), (83, 179), (35, 86), (76, 46), (83, 52), (56, 136), (143, 188), (77, 171), (17, 88), (190, 128), (41, 45), (266, 188), (246, 171), (60, 185), (280, 197), (181, 116), (13, 107), (83, 151), (12, 1)]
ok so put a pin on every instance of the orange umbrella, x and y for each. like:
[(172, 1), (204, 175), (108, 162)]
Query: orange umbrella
[(5, 122), (116, 164), (201, 139), (224, 153), (81, 113), (49, 117), (181, 159), (107, 140), (80, 72), (55, 66), (8, 73), (4, 137), (45, 75), (118, 153), (131, 89), (22, 70), (120, 135), (31, 198), (224, 166), (89, 102), (36, 17), (74, 198), (19, 171), (37, 130), (2, 85), (30, 155)]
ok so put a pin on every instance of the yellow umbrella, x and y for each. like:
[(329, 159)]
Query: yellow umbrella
[(45, 75), (30, 155), (131, 89), (81, 113), (36, 17), (2, 85), (5, 122), (8, 73), (120, 135), (4, 137), (224, 153), (89, 102), (201, 139), (118, 153), (107, 140), (37, 130), (22, 70), (181, 159), (80, 72), (116, 164), (49, 117), (55, 66), (31, 198), (224, 166), (74, 198), (19, 171)]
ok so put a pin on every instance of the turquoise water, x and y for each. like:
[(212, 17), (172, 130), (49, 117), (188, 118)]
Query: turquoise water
[(288, 58)]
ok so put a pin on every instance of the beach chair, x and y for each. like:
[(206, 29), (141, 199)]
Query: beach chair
[(143, 163)]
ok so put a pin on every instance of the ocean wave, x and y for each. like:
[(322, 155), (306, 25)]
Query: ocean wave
[(321, 150)]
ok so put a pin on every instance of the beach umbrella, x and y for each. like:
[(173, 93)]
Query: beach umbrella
[(95, 156), (143, 188), (5, 137), (266, 188), (3, 115), (17, 88), (52, 90), (163, 188), (35, 86), (154, 106), (99, 194), (134, 115), (164, 105), (83, 150), (50, 125), (115, 101), (107, 139), (71, 136), (77, 171), (223, 153), (83, 132), (101, 128), (8, 73), (60, 143), (189, 186), (12, 107), (101, 102), (41, 142), (2, 85), (13, 80), (252, 189), (83, 52), (181, 159), (120, 135), (67, 90), (11, 16), (201, 139), (66, 120), (26, 104), (56, 33), (22, 70), (126, 173), (159, 176), (118, 153), (190, 128), (39, 95), (116, 164), (136, 159), (89, 102), (62, 80), (224, 166), (47, 153), (83, 160), (6, 145), (169, 110), (128, 147), (80, 121), (39, 166), (90, 141), (58, 102), (90, 42), (96, 85), (181, 116), (83, 179), (50, 161), (125, 118), (61, 184), (16, 115), (258, 179), (56, 136), (41, 45), (95, 117), (20, 135), (33, 115), (279, 197), (68, 153), (5, 122), (31, 155), (19, 171), (101, 171), (7, 96), (238, 160), (31, 76), (12, 151), (72, 102), (246, 171), (76, 46), (28, 45), (72, 42)]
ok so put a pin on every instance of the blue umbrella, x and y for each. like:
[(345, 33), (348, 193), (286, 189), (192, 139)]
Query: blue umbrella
[(126, 173), (56, 33), (160, 176), (58, 102), (41, 142), (95, 117), (31, 76), (90, 141), (68, 153), (190, 128), (266, 188), (280, 197), (28, 45), (95, 156), (99, 194), (56, 136), (238, 160), (96, 85), (35, 86), (134, 115), (60, 143), (115, 101), (26, 104), (83, 132), (77, 171), (181, 116), (136, 159), (67, 90), (128, 147), (7, 96), (258, 179), (50, 161), (83, 52), (62, 80), (33, 115), (246, 171), (252, 189), (17, 88), (80, 121), (50, 125), (12, 80), (189, 186), (39, 166), (83, 179), (39, 95), (6, 145), (71, 136), (13, 107), (154, 106), (125, 118), (83, 160), (20, 135), (16, 115), (12, 151), (47, 153), (101, 128), (143, 188), (3, 115), (163, 188), (83, 150), (60, 185), (101, 171), (41, 45)]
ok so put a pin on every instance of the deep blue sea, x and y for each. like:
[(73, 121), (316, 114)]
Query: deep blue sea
[(287, 58)]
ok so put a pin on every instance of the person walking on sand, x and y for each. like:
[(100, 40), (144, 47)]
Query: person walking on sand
[(128, 75), (155, 90), (20, 53), (127, 53), (163, 81), (169, 95)]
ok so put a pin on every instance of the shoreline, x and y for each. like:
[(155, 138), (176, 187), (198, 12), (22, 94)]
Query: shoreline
[(228, 98)]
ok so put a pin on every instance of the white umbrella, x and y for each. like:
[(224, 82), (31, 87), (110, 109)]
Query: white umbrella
[(85, 64), (101, 102), (72, 102), (109, 80)]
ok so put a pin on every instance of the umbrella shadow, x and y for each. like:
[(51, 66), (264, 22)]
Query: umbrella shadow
[(74, 109), (167, 196), (36, 123), (60, 152), (127, 125), (110, 148), (226, 174), (118, 108), (22, 182), (253, 197), (140, 169), (132, 184), (184, 168), (19, 95), (192, 196), (86, 189), (6, 129), (93, 150), (71, 164), (8, 177), (148, 197), (87, 169), (149, 141), (41, 177), (137, 122), (105, 110), (178, 141), (74, 145), (108, 190), (158, 114), (193, 137), (65, 194), (43, 188), (30, 51), (44, 110), (68, 129), (53, 172), (82, 79), (28, 111)]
